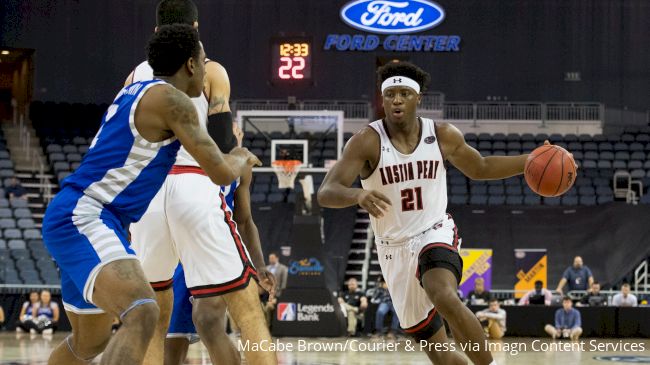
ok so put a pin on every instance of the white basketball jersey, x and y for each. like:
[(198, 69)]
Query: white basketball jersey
[(145, 72), (416, 185)]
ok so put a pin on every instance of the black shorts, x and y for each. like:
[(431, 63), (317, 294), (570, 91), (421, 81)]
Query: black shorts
[(440, 257)]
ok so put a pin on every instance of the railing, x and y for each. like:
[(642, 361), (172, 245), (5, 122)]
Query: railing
[(353, 109), (641, 276), (523, 111), (509, 295), (26, 288), (434, 100)]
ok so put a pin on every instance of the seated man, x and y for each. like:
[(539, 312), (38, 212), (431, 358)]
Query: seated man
[(594, 298), (15, 190), (625, 298), (567, 322), (478, 296), (382, 297), (493, 319), (537, 296), (354, 303)]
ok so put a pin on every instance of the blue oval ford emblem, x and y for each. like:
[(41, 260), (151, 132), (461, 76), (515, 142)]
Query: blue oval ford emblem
[(394, 17)]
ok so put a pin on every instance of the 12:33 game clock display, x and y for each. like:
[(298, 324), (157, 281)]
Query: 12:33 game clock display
[(291, 59)]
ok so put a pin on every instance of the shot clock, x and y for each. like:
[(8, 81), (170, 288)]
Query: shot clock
[(291, 59)]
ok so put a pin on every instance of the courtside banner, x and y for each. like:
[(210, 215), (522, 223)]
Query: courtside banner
[(477, 263), (530, 265)]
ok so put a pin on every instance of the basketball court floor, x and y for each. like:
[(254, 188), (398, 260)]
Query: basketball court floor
[(24, 350)]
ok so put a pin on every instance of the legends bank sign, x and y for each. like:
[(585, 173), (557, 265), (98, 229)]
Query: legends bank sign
[(394, 19)]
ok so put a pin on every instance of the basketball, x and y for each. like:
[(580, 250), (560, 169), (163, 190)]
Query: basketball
[(550, 171)]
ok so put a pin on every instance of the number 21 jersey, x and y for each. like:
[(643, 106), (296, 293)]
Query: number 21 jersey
[(416, 184)]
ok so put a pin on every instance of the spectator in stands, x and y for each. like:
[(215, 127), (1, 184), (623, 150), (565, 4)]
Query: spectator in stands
[(594, 297), (279, 271), (381, 296), (625, 298), (537, 296), (578, 277), (15, 190), (493, 319), (353, 303), (2, 318), (478, 296), (567, 322), (28, 312), (47, 314)]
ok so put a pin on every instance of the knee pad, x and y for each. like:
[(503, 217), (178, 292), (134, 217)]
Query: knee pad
[(134, 305), (87, 360)]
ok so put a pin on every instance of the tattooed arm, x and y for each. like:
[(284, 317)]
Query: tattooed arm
[(180, 116)]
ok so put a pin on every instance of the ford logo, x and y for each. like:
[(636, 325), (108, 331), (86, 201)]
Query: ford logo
[(392, 17)]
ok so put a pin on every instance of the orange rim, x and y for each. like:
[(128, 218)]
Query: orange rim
[(287, 165)]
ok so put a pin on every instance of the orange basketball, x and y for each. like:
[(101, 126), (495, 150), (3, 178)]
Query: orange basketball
[(550, 170)]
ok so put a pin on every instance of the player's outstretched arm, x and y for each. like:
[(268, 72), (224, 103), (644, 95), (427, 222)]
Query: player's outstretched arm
[(246, 226), (217, 89), (470, 162), (336, 190), (180, 115)]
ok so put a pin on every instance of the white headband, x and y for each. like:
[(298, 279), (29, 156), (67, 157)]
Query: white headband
[(400, 81)]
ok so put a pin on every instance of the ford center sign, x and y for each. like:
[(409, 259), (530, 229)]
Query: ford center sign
[(396, 19), (392, 17)]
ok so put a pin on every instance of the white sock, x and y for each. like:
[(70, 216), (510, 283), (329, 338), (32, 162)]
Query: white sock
[(493, 362)]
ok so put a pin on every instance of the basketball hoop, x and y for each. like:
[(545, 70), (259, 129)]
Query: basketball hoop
[(286, 171)]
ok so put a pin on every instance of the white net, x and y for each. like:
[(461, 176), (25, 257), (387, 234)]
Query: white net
[(286, 171)]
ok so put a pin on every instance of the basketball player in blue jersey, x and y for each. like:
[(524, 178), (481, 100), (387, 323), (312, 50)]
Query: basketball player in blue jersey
[(189, 220), (400, 160), (84, 227)]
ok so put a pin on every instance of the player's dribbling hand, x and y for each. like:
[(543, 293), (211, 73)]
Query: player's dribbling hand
[(374, 202), (267, 280)]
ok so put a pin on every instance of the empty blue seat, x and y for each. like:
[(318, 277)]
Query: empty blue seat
[(552, 201), (528, 146), (532, 199), (478, 199), (527, 137), (73, 157), (458, 199), (632, 165), (513, 190), (541, 137), (471, 137), (638, 155), (636, 146), (569, 200), (53, 148), (496, 200), (590, 146), (638, 173), (626, 137), (514, 199), (604, 199), (622, 155), (275, 197), (26, 223), (32, 234), (620, 146), (605, 146), (18, 203), (590, 155), (587, 190), (485, 145), (574, 146), (498, 145), (606, 155), (604, 164), (12, 233), (513, 137), (496, 190), (56, 157), (599, 138), (589, 164), (5, 213), (458, 190), (643, 138), (479, 190), (587, 200), (69, 149), (619, 165), (603, 190)]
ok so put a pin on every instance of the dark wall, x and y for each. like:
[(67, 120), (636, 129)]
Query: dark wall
[(515, 48)]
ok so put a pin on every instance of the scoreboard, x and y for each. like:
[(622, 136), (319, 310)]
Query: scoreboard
[(291, 59)]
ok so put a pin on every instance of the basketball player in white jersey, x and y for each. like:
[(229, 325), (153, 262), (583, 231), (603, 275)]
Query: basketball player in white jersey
[(400, 160), (189, 220)]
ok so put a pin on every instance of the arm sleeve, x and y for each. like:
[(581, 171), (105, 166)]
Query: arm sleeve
[(220, 129), (565, 275), (616, 301), (524, 299)]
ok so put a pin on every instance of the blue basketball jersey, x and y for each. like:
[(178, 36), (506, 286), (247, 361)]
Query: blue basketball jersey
[(122, 171), (229, 193)]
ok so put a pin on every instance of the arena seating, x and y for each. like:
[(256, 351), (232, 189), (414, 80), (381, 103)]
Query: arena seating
[(67, 130)]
